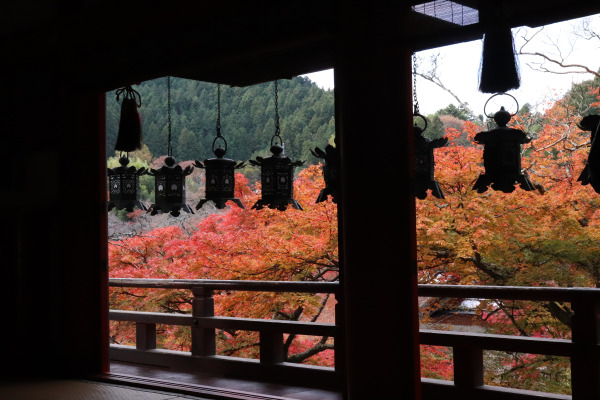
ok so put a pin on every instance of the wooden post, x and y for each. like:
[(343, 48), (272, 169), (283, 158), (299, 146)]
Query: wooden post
[(468, 367), (374, 113), (585, 363), (203, 339), (271, 347), (145, 336)]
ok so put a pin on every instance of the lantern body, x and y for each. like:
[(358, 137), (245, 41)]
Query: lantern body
[(425, 165), (220, 180), (277, 180), (330, 172), (124, 187), (169, 188), (590, 175), (502, 157)]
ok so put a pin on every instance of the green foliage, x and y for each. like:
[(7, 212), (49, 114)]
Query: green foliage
[(581, 99), (458, 112), (247, 118)]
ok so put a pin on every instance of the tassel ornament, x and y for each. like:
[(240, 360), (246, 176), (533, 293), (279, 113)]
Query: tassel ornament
[(129, 137)]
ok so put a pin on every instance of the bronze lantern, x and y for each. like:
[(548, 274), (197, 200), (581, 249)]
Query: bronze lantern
[(169, 188), (124, 186), (425, 162), (276, 173), (277, 180), (220, 171), (591, 171), (330, 172), (502, 156), (220, 178)]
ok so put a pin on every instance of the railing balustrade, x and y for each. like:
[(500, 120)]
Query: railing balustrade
[(583, 349), (204, 324)]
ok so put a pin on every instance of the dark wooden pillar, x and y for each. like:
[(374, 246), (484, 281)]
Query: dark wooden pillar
[(54, 227), (374, 108), (82, 215)]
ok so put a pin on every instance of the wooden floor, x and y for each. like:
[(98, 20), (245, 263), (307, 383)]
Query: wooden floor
[(210, 386)]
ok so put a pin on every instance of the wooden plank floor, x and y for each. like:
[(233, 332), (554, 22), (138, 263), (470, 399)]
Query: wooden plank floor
[(211, 386)]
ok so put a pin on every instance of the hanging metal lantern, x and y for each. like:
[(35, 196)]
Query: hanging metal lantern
[(220, 171), (424, 158), (124, 186), (169, 180), (502, 156), (220, 178), (169, 188), (277, 179), (591, 172), (425, 162), (330, 172), (276, 173)]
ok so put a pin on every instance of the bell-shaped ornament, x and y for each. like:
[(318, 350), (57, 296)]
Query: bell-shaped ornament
[(425, 162), (502, 157), (277, 180), (169, 188), (124, 186), (220, 178), (591, 172), (330, 172)]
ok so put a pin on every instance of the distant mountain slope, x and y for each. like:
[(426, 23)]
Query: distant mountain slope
[(247, 118)]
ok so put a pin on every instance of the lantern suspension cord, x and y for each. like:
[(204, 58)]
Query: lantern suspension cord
[(415, 100), (169, 147), (218, 128), (277, 127)]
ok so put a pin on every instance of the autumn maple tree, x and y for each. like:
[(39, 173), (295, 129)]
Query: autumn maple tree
[(544, 237), (239, 244)]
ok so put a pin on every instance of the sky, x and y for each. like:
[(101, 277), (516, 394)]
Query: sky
[(459, 69)]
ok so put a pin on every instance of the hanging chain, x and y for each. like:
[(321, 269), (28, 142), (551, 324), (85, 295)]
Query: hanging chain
[(415, 100), (218, 110), (277, 129), (169, 147)]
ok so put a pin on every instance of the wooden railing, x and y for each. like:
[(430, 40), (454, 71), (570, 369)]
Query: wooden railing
[(204, 323), (583, 350)]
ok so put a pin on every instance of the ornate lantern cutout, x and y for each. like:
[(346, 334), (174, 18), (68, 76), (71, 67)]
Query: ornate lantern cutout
[(124, 186), (276, 173), (330, 172), (169, 180), (502, 155), (591, 171), (220, 174), (425, 162)]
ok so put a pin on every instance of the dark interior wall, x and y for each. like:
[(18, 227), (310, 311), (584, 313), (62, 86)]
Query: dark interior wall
[(53, 244)]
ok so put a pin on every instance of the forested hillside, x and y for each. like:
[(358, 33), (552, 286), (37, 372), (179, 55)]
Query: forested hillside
[(247, 118)]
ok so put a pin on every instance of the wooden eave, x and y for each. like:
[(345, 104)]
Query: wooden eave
[(110, 43)]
